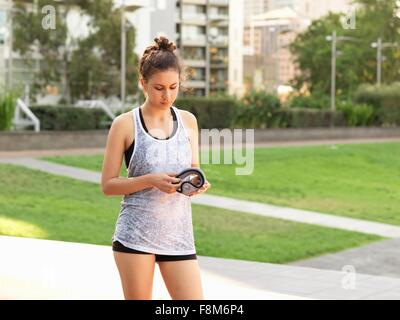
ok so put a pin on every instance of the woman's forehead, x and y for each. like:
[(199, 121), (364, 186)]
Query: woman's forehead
[(165, 78)]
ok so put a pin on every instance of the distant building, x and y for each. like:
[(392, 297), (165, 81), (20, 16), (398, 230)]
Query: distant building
[(266, 37), (206, 33)]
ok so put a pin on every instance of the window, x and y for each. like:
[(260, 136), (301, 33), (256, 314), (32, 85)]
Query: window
[(194, 53)]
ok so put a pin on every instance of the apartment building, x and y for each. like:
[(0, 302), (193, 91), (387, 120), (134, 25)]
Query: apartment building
[(267, 36), (207, 34)]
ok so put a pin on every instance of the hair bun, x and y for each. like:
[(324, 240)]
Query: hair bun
[(164, 44)]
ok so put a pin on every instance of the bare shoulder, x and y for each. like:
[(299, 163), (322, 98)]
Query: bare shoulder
[(188, 118), (125, 126)]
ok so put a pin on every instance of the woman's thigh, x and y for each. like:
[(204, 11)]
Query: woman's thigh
[(182, 279), (137, 273)]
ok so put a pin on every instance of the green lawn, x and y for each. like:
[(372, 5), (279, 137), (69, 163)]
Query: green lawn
[(40, 205), (354, 180)]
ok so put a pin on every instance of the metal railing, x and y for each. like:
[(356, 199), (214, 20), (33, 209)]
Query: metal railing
[(18, 121)]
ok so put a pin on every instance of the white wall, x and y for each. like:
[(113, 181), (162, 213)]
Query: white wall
[(235, 71)]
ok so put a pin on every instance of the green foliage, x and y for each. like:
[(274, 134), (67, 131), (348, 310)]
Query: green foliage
[(314, 101), (7, 109), (211, 112), (87, 67), (357, 114), (256, 110), (70, 118), (308, 118), (385, 99), (357, 62)]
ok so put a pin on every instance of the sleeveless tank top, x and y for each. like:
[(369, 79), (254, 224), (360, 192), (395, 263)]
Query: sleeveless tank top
[(151, 220), (128, 152)]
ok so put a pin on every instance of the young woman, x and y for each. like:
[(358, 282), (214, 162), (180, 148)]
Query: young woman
[(154, 224)]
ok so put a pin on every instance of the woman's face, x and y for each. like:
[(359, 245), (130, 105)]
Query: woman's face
[(162, 88)]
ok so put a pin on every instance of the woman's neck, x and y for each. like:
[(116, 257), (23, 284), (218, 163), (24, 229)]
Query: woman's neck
[(156, 112)]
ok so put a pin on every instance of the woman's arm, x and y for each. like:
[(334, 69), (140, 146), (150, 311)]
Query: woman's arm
[(111, 182), (193, 131)]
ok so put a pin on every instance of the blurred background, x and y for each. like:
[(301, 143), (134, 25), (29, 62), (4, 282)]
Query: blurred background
[(303, 63)]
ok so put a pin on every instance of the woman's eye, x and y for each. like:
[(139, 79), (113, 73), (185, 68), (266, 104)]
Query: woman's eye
[(161, 89)]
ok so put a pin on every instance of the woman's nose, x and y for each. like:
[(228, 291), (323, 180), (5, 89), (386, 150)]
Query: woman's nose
[(167, 95)]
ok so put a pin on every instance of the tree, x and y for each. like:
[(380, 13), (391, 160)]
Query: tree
[(357, 62), (87, 67)]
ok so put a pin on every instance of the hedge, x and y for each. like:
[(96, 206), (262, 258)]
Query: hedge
[(385, 99), (70, 118)]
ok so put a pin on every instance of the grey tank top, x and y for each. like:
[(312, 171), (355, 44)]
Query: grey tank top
[(151, 220)]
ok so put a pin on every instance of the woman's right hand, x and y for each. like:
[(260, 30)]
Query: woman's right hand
[(165, 181)]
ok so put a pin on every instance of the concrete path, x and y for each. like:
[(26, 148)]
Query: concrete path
[(379, 258), (326, 220), (45, 269)]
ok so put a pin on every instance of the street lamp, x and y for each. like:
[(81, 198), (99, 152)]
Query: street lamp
[(379, 45), (334, 38)]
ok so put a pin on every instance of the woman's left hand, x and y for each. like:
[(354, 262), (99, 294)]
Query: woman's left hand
[(203, 189)]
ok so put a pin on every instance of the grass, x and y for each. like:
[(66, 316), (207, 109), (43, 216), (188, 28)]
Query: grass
[(40, 205), (355, 180)]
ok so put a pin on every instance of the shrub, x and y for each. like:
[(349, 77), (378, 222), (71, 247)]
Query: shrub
[(314, 101), (70, 118), (211, 112), (358, 114), (7, 110), (385, 99), (309, 118), (256, 110)]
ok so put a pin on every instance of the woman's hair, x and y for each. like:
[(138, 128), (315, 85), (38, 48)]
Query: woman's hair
[(161, 57)]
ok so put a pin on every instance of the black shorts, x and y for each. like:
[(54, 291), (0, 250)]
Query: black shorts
[(118, 246)]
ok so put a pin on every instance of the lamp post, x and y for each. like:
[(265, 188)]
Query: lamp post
[(334, 38), (379, 45)]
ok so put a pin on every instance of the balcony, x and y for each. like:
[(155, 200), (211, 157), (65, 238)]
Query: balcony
[(219, 17), (196, 63), (219, 60), (194, 40), (195, 83), (194, 18), (218, 84), (219, 2), (202, 2), (219, 40)]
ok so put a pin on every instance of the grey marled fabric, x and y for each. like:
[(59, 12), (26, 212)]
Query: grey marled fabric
[(151, 220)]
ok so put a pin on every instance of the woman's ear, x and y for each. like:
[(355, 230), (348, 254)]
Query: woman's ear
[(142, 86)]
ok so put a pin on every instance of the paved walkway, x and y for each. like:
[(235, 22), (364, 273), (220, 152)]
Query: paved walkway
[(378, 258), (65, 270), (326, 220)]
